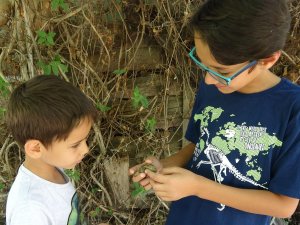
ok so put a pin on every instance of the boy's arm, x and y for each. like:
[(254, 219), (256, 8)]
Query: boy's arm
[(179, 159), (175, 183), (250, 200)]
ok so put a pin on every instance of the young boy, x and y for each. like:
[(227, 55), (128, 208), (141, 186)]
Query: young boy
[(242, 165), (51, 119)]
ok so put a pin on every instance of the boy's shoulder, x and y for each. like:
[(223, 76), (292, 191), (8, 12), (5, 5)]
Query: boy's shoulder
[(290, 91), (28, 187), (32, 192)]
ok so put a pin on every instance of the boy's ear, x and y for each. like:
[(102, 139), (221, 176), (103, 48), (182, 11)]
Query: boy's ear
[(33, 148), (271, 60)]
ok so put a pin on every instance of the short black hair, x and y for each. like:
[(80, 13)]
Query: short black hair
[(237, 31), (46, 108)]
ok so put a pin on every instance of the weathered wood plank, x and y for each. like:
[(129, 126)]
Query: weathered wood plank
[(116, 170), (143, 57), (149, 85), (137, 149)]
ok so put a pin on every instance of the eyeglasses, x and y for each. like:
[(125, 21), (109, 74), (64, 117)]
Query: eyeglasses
[(219, 77)]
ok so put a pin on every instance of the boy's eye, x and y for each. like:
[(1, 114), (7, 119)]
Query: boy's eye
[(75, 146), (225, 74)]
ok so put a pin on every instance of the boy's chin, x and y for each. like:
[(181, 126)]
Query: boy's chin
[(226, 90)]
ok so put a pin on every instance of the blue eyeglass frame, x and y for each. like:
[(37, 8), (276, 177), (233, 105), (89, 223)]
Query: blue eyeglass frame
[(220, 78)]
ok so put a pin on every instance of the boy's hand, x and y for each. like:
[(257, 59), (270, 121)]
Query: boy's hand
[(139, 174), (174, 183)]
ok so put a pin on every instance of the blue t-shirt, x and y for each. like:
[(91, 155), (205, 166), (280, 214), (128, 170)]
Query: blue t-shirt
[(249, 141)]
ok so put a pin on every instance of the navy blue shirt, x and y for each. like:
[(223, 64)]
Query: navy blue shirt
[(249, 141)]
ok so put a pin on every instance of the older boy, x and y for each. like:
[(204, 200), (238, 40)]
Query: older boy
[(242, 165), (51, 119)]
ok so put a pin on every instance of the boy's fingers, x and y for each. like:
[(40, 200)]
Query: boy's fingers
[(139, 177), (169, 170), (154, 161), (155, 176), (131, 171), (145, 182), (148, 187)]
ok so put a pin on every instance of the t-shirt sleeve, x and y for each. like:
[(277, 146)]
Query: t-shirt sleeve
[(30, 213), (193, 130), (285, 173)]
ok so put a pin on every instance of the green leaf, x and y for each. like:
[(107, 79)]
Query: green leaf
[(45, 38), (110, 212), (65, 7), (73, 174), (47, 70), (2, 111), (137, 189), (63, 67), (55, 4), (150, 125), (4, 90), (103, 108), (41, 34), (119, 72), (138, 99), (54, 67), (95, 212), (2, 186)]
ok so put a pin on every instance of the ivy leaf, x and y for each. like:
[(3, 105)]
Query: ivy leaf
[(45, 38), (2, 111), (103, 108), (55, 4), (119, 72), (150, 125), (54, 67), (73, 174), (41, 33), (2, 186), (138, 99), (4, 87), (137, 189)]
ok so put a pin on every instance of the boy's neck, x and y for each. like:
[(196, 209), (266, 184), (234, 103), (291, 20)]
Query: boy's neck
[(44, 171), (261, 83)]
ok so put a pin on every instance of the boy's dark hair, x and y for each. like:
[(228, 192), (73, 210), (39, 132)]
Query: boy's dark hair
[(237, 31), (46, 108)]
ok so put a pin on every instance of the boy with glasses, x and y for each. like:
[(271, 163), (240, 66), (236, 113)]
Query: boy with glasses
[(242, 165)]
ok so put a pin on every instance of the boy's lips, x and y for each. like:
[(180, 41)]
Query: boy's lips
[(79, 161), (220, 86)]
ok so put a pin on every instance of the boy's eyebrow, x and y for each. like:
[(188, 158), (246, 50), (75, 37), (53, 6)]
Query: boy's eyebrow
[(216, 67), (80, 140)]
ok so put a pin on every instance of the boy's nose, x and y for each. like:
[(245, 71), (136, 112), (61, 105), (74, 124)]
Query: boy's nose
[(85, 150), (209, 79)]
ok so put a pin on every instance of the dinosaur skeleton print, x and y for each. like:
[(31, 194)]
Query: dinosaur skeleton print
[(231, 147)]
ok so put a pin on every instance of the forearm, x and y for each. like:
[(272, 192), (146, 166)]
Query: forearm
[(181, 158), (254, 201)]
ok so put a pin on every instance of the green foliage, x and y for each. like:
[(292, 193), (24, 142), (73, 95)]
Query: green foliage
[(53, 66), (103, 108), (138, 190), (150, 125), (119, 72), (95, 212), (110, 212), (2, 186), (45, 38), (139, 100), (55, 4), (73, 174), (4, 91), (2, 111)]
